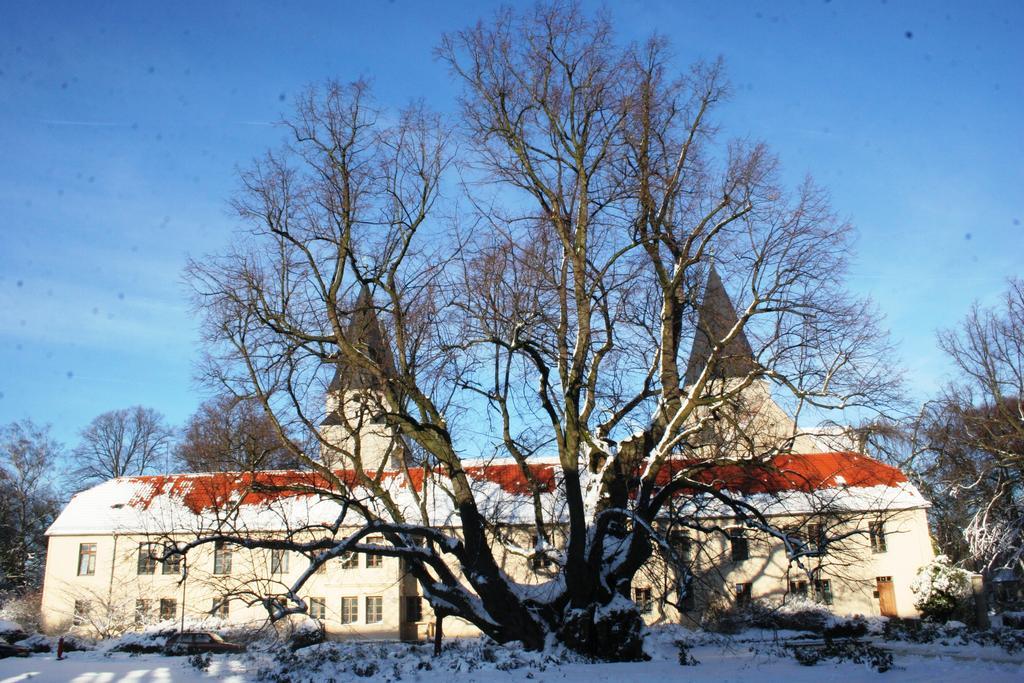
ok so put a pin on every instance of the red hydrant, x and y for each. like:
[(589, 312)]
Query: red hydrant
[(60, 648)]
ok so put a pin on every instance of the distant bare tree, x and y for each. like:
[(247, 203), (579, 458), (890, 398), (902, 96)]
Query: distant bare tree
[(119, 443), (231, 433), (970, 440), (550, 312), (28, 501)]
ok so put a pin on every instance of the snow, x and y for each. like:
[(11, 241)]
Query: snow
[(89, 667), (7, 626), (754, 655)]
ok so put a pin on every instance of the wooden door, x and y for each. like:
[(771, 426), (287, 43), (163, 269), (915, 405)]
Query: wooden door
[(886, 596)]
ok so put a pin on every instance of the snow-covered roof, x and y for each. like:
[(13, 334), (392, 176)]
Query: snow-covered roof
[(291, 499)]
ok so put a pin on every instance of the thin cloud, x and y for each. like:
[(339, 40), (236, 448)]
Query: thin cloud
[(92, 317), (71, 122)]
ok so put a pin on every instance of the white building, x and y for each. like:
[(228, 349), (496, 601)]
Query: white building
[(867, 518)]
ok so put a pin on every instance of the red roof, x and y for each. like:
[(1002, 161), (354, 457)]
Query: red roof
[(795, 472)]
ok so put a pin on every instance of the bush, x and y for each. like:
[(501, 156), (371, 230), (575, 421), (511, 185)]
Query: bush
[(724, 618), (845, 651), (914, 631), (1013, 619), (11, 631), (685, 658), (796, 615), (941, 590), (200, 662), (138, 647), (305, 634), (23, 609), (37, 642), (364, 670), (73, 643), (847, 628)]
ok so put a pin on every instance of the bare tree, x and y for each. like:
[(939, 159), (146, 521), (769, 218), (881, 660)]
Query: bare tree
[(547, 311), (970, 440), (120, 443), (231, 433), (28, 501)]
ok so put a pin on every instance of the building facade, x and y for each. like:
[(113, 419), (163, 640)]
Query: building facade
[(843, 529), (104, 567)]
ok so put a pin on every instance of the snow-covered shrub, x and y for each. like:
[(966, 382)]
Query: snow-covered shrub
[(304, 634), (200, 661), (841, 627), (149, 640), (725, 618), (75, 643), (941, 589), (23, 609), (1010, 640), (353, 660), (845, 651), (685, 658), (11, 631), (37, 642), (911, 630), (794, 615)]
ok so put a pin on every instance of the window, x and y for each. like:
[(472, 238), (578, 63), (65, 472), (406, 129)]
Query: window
[(739, 545), (143, 612), (279, 561), (317, 608), (220, 608), (349, 610), (823, 591), (876, 533), (690, 601), (168, 608), (86, 559), (413, 608), (681, 546), (221, 558), (374, 609), (349, 560), (373, 560), (798, 588), (815, 537), (540, 561), (172, 565), (643, 600), (82, 610), (743, 592), (147, 558)]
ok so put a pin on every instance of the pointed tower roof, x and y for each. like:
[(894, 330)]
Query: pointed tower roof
[(364, 330), (715, 317)]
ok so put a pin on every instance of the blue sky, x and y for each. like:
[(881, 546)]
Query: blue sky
[(122, 124)]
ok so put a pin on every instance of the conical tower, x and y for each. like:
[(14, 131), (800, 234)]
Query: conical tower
[(353, 426), (364, 331), (715, 317), (757, 425)]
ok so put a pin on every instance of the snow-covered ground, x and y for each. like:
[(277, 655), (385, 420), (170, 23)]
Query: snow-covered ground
[(748, 658)]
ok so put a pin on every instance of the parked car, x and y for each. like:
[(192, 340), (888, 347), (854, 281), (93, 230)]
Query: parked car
[(9, 650), (198, 642)]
